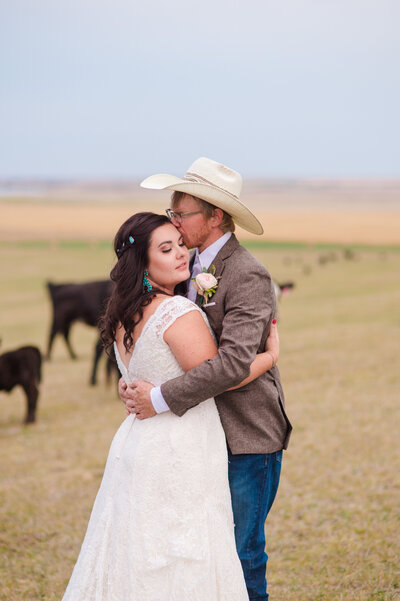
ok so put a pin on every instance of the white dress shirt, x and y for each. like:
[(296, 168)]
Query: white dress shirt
[(203, 259)]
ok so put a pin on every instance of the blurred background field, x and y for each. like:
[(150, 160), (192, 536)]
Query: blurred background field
[(333, 531), (336, 211)]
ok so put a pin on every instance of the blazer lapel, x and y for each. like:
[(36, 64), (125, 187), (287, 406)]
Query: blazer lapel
[(223, 254), (219, 262)]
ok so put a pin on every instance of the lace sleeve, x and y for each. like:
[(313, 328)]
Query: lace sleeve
[(171, 310)]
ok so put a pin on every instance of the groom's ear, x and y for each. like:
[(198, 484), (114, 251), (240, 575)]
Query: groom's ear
[(217, 217)]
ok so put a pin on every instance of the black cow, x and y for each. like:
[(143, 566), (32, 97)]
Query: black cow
[(282, 289), (83, 302), (73, 302), (22, 367), (111, 364)]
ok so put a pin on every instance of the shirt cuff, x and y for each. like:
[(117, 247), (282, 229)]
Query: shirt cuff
[(158, 400)]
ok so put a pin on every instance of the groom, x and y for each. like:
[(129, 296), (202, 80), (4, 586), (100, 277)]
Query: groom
[(205, 207)]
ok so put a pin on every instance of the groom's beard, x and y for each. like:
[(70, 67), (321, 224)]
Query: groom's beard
[(194, 239)]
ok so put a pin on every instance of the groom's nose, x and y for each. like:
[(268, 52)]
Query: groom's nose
[(182, 233)]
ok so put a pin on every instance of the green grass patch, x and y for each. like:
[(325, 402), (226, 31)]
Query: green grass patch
[(264, 244), (250, 244)]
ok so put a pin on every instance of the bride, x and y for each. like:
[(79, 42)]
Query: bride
[(161, 527)]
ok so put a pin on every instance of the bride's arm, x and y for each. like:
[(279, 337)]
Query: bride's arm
[(191, 343), (190, 340)]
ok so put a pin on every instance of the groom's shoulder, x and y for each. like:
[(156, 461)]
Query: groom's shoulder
[(243, 260)]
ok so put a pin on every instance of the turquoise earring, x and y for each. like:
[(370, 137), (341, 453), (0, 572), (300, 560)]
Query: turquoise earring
[(147, 287)]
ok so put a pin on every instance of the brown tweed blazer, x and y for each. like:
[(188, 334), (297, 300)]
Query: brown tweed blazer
[(253, 416)]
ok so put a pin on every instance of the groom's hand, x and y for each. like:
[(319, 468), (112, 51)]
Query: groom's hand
[(139, 401)]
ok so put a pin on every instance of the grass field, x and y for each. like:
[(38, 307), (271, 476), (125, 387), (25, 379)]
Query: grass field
[(333, 533)]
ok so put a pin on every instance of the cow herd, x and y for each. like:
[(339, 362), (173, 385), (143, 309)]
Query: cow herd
[(71, 302)]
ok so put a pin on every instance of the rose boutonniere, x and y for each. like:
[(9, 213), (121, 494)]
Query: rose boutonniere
[(206, 283)]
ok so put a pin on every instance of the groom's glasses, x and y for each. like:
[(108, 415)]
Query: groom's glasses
[(178, 217)]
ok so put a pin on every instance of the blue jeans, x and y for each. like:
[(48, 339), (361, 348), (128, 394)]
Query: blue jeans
[(253, 481)]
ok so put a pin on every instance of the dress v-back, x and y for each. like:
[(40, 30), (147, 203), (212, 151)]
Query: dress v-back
[(161, 527)]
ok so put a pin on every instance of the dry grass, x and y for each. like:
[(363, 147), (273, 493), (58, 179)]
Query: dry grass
[(333, 530)]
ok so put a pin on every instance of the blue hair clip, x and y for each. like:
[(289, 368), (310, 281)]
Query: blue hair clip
[(124, 246)]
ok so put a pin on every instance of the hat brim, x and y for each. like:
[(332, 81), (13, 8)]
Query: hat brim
[(240, 214)]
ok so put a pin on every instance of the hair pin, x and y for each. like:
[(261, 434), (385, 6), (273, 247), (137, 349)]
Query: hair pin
[(124, 246)]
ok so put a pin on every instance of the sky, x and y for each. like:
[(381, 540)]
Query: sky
[(123, 89)]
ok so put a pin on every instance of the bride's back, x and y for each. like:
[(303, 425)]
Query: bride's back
[(147, 312), (151, 358)]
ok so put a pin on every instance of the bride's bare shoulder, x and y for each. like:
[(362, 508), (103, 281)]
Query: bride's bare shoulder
[(147, 311), (156, 301)]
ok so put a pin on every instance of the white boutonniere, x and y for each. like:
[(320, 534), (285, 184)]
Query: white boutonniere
[(206, 284)]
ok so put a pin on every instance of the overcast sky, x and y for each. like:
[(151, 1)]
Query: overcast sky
[(122, 88)]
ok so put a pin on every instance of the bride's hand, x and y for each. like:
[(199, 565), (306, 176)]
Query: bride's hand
[(272, 342), (123, 393)]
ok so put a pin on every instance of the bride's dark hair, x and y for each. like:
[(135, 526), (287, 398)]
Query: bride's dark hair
[(129, 296)]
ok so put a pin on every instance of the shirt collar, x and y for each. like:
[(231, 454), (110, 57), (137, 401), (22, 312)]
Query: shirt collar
[(208, 255)]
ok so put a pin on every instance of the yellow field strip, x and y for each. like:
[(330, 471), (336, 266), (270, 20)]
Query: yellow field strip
[(56, 221)]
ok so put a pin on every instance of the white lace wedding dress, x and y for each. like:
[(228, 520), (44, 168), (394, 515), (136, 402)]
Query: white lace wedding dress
[(161, 527)]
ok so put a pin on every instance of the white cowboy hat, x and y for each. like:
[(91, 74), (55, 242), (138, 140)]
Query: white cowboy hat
[(213, 182)]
